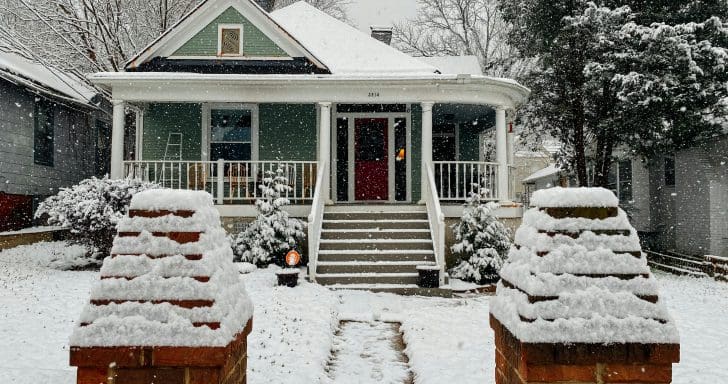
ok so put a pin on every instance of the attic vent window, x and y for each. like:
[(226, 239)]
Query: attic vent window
[(230, 40)]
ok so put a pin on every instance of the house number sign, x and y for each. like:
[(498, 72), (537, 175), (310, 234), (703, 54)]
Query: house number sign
[(374, 94)]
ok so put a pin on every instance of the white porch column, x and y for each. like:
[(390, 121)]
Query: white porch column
[(117, 140), (325, 145), (501, 152), (426, 146)]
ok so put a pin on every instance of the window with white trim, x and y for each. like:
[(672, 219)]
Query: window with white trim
[(231, 134), (230, 40)]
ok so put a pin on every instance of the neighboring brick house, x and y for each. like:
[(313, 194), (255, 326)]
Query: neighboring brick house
[(52, 135)]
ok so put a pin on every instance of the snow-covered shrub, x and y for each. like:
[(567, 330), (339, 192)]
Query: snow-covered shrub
[(481, 241), (273, 233), (91, 209)]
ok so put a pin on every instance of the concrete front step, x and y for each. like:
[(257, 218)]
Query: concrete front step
[(341, 234), (374, 244), (423, 255), (367, 278), (407, 290), (376, 224), (328, 267), (394, 215)]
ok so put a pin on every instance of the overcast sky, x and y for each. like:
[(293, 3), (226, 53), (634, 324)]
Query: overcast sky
[(365, 13)]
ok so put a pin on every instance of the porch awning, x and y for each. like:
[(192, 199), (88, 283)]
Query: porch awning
[(380, 88)]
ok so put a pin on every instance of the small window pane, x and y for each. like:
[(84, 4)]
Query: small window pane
[(669, 171), (625, 181), (231, 125), (230, 41), (230, 151), (371, 143), (43, 143)]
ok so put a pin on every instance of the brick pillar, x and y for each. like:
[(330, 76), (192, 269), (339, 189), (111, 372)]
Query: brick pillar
[(577, 302), (131, 334)]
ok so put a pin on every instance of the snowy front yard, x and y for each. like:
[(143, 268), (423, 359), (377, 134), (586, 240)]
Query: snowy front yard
[(295, 330)]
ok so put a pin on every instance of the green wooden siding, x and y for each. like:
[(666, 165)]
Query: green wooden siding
[(416, 151), (162, 119), (255, 42), (287, 132)]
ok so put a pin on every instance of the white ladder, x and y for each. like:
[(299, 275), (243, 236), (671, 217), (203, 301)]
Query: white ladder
[(171, 172)]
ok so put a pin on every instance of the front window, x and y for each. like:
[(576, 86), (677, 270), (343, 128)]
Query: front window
[(670, 171), (43, 133), (625, 181), (231, 134)]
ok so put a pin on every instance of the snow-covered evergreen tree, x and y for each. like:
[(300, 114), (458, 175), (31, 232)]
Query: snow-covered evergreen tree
[(91, 209), (482, 242), (273, 233)]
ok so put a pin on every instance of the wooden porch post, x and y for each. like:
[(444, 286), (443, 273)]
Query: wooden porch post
[(325, 146), (117, 140), (426, 147), (501, 151)]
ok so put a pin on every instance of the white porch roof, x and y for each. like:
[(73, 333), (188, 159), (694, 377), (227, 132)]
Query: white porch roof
[(380, 89)]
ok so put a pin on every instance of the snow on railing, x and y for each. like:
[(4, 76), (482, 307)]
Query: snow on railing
[(455, 180), (436, 218), (230, 182), (315, 220)]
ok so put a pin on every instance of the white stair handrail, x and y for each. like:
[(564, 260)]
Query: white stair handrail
[(436, 218), (315, 220)]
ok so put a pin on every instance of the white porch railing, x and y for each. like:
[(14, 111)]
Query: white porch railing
[(315, 220), (230, 182), (437, 220), (455, 180)]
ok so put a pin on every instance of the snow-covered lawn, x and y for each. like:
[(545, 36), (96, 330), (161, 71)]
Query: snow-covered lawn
[(447, 340)]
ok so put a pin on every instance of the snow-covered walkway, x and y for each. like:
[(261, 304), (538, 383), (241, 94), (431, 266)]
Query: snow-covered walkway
[(447, 340), (368, 353)]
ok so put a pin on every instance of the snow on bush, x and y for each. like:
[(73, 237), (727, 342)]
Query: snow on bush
[(91, 209), (481, 241), (273, 233)]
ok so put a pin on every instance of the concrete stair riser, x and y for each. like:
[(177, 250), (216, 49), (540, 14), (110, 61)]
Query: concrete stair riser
[(366, 279), (373, 257), (368, 268), (374, 234), (374, 225), (374, 245), (375, 215)]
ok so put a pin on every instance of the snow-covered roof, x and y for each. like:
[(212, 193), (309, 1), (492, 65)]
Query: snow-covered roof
[(45, 79), (343, 48), (551, 170), (455, 65)]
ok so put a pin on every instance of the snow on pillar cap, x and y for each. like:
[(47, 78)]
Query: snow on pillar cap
[(171, 200), (170, 280), (559, 197)]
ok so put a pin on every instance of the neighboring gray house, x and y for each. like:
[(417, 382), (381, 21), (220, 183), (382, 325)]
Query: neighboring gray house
[(685, 200), (52, 135), (677, 203)]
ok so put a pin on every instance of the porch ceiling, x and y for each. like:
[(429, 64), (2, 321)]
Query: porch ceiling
[(189, 87)]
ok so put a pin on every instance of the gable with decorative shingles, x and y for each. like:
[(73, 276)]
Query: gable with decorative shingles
[(255, 42)]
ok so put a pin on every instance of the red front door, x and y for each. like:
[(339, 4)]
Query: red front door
[(371, 165)]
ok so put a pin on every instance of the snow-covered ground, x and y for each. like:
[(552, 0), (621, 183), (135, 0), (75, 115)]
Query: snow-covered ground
[(447, 340)]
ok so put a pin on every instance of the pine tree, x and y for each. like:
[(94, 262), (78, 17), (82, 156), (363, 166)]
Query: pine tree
[(273, 233), (482, 242)]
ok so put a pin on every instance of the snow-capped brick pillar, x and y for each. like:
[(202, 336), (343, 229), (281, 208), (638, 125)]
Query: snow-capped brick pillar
[(170, 306), (577, 301)]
